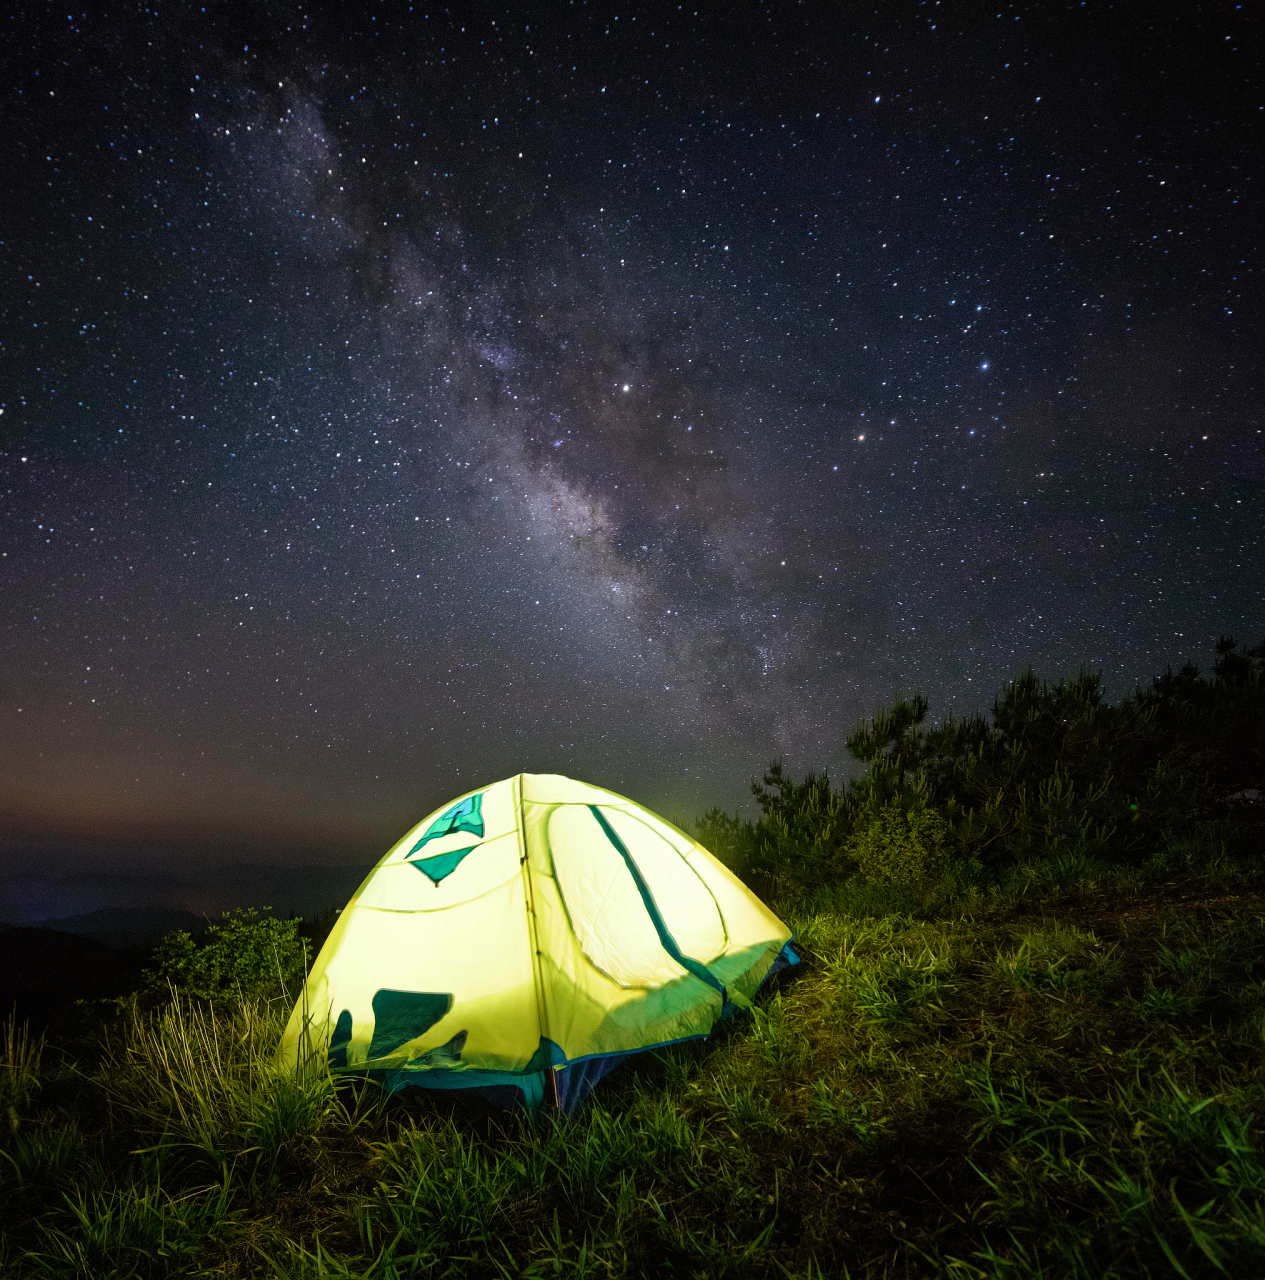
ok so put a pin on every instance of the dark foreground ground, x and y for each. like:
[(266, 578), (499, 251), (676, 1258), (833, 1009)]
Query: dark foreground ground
[(1066, 1078)]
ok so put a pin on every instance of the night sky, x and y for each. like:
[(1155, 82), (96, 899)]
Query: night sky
[(395, 403)]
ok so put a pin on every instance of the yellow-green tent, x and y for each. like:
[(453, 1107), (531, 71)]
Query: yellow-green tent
[(523, 939)]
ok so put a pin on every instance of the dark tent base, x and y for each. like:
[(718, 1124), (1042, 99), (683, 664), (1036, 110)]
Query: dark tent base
[(562, 1084)]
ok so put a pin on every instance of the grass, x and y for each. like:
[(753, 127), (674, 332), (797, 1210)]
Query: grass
[(1062, 1077)]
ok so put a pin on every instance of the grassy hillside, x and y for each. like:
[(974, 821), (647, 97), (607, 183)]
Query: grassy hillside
[(1024, 1056)]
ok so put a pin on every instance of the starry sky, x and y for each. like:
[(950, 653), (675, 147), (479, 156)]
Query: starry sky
[(393, 403)]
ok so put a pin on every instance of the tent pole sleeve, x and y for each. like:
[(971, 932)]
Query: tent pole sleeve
[(529, 896)]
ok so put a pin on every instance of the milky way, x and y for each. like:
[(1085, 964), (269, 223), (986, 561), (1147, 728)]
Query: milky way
[(390, 408)]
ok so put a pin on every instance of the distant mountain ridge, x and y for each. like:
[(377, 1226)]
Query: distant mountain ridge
[(121, 927), (133, 906)]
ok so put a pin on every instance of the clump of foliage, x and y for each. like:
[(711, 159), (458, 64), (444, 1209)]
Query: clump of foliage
[(1055, 774), (730, 839), (20, 1054), (804, 833), (247, 954), (901, 846)]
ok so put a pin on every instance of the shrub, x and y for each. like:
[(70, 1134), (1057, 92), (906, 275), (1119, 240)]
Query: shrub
[(1056, 778), (902, 846), (732, 840), (246, 955), (800, 839)]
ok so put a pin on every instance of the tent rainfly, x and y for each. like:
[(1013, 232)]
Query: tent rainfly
[(524, 939)]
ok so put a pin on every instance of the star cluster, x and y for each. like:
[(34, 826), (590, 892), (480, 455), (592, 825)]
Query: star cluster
[(631, 393)]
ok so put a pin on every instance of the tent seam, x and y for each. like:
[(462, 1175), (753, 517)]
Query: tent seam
[(520, 825)]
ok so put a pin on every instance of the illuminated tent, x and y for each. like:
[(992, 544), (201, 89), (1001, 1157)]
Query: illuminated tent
[(522, 940)]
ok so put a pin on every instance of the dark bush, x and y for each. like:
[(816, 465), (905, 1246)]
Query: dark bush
[(1055, 773)]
